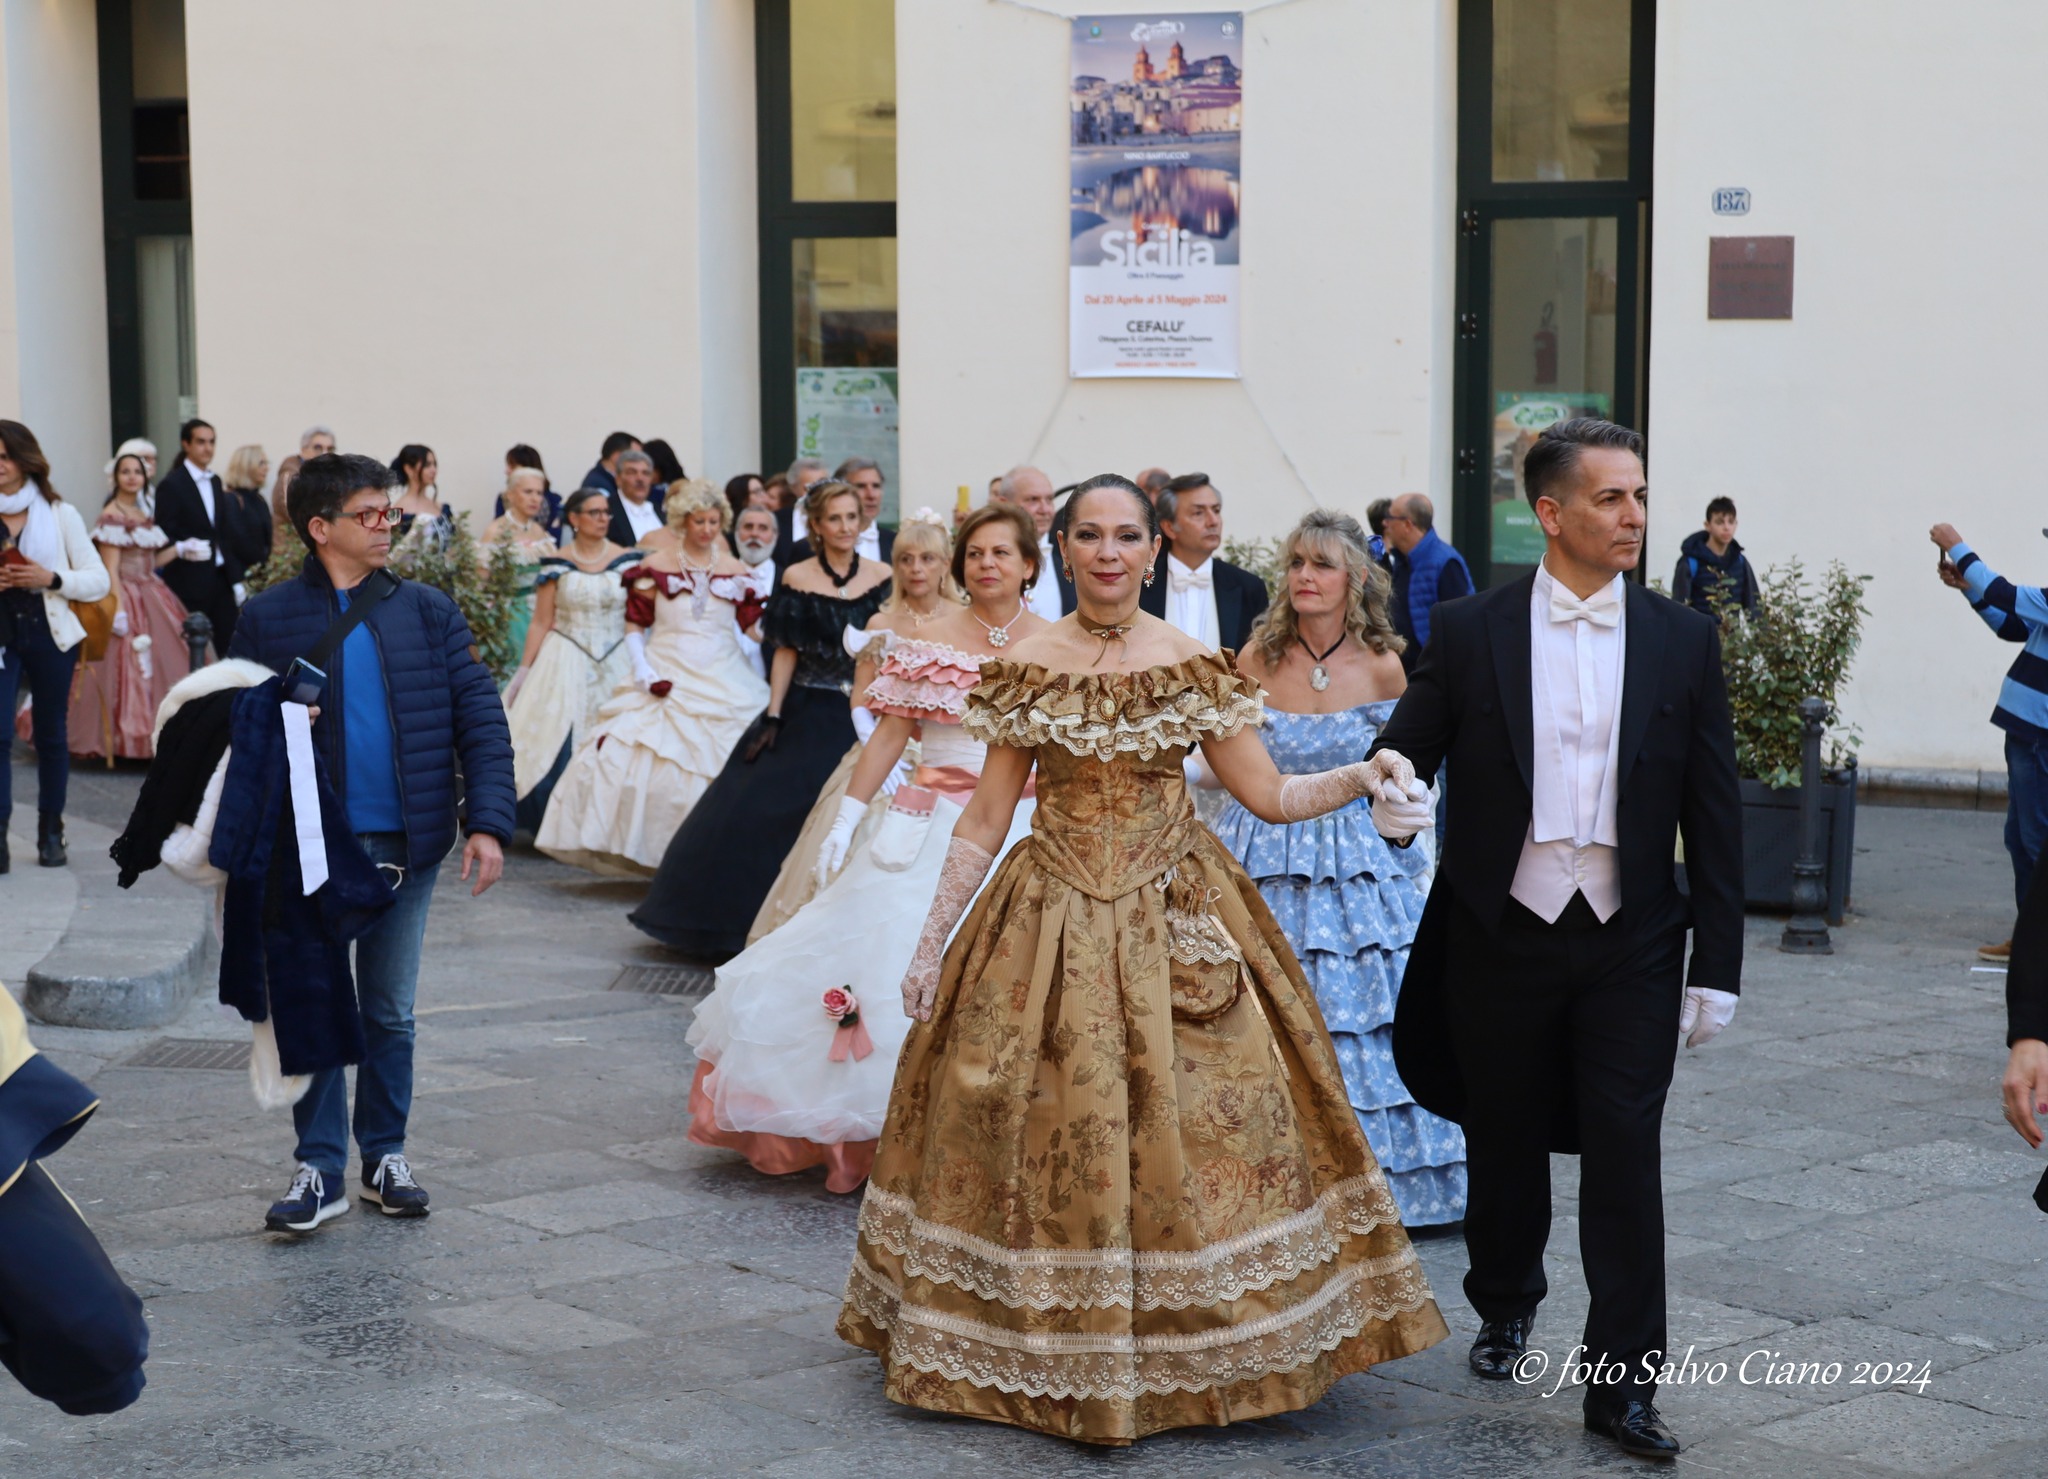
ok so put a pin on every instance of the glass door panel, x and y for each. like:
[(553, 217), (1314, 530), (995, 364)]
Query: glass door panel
[(169, 340), (842, 99), (1561, 89), (1553, 325), (844, 320)]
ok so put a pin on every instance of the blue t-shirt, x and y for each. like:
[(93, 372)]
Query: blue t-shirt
[(371, 760)]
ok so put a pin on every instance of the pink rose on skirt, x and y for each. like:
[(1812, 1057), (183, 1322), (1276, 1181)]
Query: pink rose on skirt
[(840, 1002)]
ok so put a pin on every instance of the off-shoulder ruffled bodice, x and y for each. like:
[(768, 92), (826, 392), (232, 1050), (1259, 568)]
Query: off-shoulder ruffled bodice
[(924, 680), (1113, 809), (813, 625)]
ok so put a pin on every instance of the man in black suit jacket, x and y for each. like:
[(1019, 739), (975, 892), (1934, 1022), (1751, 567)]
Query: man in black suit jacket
[(604, 472), (634, 488), (1210, 599), (1586, 719), (192, 505)]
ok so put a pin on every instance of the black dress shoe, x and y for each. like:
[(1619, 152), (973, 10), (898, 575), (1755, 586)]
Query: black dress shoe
[(50, 839), (1500, 1345), (1636, 1426), (5, 862)]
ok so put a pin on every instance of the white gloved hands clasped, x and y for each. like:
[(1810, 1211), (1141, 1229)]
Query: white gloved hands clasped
[(1400, 800), (1705, 1013), (840, 838), (194, 549)]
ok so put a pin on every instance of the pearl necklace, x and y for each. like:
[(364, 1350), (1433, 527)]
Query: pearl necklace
[(700, 590), (999, 637)]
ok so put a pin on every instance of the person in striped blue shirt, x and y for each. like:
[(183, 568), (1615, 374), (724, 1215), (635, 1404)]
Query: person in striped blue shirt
[(2018, 613)]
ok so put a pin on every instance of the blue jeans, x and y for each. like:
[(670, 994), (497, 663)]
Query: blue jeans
[(387, 976), (33, 654), (2026, 808)]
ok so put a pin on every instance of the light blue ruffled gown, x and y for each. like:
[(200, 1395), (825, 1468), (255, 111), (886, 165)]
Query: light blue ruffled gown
[(1349, 904)]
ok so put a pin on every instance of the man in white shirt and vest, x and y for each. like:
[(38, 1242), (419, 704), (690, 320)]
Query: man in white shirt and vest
[(1587, 720), (636, 507), (1210, 599)]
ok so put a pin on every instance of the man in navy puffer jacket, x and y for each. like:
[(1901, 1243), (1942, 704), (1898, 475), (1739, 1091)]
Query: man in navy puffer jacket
[(404, 699)]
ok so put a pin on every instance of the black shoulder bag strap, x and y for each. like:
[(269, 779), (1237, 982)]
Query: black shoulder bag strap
[(369, 595)]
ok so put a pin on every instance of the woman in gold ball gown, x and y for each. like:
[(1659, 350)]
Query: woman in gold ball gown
[(1120, 1188)]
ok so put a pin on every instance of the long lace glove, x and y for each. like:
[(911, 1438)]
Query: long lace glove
[(959, 876)]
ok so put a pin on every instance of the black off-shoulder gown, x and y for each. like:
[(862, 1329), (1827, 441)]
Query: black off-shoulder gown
[(723, 859)]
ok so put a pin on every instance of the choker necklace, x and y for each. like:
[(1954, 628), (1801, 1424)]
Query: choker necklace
[(1320, 678), (1109, 632), (999, 637), (839, 581)]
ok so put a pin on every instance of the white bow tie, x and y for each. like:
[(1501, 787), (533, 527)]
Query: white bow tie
[(1603, 609), (1178, 579)]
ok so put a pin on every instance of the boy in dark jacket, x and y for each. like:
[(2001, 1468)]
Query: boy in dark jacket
[(402, 701), (1711, 560)]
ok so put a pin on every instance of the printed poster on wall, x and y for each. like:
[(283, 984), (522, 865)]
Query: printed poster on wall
[(1157, 108), (1518, 416), (844, 411)]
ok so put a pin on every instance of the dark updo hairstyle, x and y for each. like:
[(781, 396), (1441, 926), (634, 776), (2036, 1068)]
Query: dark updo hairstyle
[(1021, 524), (1122, 484), (410, 456), (582, 496)]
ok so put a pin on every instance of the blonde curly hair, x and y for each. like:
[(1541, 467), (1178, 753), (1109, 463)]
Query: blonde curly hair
[(694, 496), (1341, 540)]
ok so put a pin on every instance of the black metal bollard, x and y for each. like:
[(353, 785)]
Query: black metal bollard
[(1806, 933), (198, 633)]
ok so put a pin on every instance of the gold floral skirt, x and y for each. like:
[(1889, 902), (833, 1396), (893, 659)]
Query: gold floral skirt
[(1120, 1188)]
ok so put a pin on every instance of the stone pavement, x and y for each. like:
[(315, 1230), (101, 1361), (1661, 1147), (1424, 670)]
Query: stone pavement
[(593, 1296)]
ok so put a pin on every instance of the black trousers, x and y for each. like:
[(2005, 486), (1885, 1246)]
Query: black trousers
[(1573, 1017)]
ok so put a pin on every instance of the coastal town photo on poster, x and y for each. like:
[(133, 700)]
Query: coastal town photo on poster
[(1158, 106)]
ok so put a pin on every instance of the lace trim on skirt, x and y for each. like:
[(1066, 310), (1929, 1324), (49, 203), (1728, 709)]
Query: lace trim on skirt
[(1123, 1367), (1097, 1278)]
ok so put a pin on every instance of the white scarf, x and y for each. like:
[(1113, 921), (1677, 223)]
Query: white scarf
[(41, 539)]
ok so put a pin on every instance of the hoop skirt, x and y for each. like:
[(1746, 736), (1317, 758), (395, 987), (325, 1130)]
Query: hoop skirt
[(722, 861), (581, 662), (1349, 904), (1119, 1189), (114, 700), (644, 761), (765, 1084)]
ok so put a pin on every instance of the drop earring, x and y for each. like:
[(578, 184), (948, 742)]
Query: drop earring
[(1150, 575)]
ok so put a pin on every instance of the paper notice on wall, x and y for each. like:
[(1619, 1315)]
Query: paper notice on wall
[(844, 411), (1157, 105)]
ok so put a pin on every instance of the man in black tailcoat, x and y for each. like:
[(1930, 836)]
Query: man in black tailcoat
[(193, 510), (1587, 721)]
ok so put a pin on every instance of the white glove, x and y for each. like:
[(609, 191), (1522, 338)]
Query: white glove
[(194, 549), (121, 622), (518, 682), (840, 838), (1706, 1012), (864, 722), (1196, 772), (636, 648), (241, 593)]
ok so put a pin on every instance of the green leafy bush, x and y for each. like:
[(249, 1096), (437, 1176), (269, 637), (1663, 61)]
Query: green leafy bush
[(1260, 556), (1798, 645), (485, 588)]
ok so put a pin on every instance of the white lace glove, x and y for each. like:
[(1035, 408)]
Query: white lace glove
[(840, 838), (636, 648), (1400, 801), (1705, 1013), (961, 874), (194, 549), (121, 622), (518, 682)]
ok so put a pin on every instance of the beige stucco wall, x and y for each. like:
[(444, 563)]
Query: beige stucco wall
[(53, 298), (474, 223), (1907, 387), (1347, 250)]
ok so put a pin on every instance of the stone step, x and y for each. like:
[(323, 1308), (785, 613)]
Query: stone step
[(123, 958)]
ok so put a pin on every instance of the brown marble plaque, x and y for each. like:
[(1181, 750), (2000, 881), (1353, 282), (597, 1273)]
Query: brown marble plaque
[(1749, 277)]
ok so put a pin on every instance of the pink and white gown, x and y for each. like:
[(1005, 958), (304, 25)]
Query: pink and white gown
[(766, 1084), (114, 700), (644, 761)]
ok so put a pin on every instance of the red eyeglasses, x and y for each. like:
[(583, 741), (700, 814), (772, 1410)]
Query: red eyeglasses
[(376, 518)]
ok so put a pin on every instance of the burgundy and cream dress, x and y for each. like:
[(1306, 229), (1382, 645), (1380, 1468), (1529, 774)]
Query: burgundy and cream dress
[(645, 760), (768, 1084)]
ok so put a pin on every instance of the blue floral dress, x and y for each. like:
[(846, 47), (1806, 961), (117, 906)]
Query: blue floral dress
[(1349, 905)]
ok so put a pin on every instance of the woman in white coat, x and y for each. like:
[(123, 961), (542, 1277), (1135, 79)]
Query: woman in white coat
[(47, 561)]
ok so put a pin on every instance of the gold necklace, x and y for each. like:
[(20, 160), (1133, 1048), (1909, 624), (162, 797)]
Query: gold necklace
[(1109, 632), (919, 618)]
